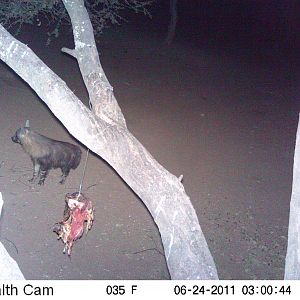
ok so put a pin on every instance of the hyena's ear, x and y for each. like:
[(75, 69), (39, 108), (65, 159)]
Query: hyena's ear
[(27, 124)]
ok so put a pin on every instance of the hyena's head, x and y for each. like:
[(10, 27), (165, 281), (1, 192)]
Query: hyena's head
[(21, 134)]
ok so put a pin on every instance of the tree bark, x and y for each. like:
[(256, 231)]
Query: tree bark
[(100, 91), (292, 260), (172, 23), (9, 269), (104, 132)]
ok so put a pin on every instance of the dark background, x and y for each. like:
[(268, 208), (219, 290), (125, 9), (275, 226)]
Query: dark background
[(266, 23), (241, 25)]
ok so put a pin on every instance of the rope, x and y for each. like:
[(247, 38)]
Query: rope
[(83, 172), (85, 164)]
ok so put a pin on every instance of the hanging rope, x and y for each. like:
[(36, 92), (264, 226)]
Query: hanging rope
[(83, 172), (85, 163)]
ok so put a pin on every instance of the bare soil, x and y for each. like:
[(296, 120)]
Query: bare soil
[(225, 119)]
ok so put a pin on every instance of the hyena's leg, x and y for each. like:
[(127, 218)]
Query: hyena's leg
[(43, 174), (65, 172), (36, 171)]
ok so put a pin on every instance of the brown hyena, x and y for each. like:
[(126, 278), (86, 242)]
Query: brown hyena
[(47, 154)]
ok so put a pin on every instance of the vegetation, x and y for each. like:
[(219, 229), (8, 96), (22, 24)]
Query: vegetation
[(52, 13)]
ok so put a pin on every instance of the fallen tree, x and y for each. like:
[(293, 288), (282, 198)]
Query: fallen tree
[(104, 131)]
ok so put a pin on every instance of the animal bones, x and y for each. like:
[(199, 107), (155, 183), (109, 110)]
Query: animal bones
[(78, 211)]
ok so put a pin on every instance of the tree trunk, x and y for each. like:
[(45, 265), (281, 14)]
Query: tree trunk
[(9, 269), (104, 132), (292, 260), (172, 23)]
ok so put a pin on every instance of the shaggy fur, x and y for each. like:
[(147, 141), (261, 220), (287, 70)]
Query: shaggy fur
[(47, 154)]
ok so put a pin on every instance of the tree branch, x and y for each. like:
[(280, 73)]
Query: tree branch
[(71, 52), (100, 91)]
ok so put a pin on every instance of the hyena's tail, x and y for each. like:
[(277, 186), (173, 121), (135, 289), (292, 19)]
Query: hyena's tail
[(77, 158)]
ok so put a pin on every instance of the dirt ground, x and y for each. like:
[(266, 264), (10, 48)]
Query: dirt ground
[(224, 119)]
